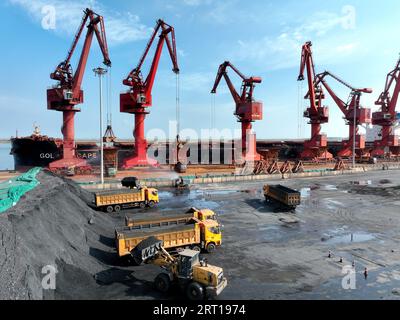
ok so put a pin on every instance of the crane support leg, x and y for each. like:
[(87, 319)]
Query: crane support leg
[(388, 146), (69, 158), (249, 150), (347, 150), (139, 157), (316, 148)]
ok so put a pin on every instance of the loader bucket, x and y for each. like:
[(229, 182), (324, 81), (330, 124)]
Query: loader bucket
[(146, 249)]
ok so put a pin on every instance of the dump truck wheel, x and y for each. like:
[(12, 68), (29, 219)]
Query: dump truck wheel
[(195, 291), (152, 204), (211, 247), (117, 208), (162, 283), (196, 248), (142, 205), (109, 209)]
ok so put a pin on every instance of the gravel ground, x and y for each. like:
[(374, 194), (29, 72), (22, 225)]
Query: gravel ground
[(265, 254)]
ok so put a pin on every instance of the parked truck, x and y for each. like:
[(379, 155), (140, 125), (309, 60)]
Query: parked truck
[(147, 220), (115, 200), (195, 234), (285, 197)]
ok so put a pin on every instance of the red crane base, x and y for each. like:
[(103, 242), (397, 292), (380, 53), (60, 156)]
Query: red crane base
[(316, 154), (140, 158), (69, 159), (137, 161), (68, 163), (382, 153)]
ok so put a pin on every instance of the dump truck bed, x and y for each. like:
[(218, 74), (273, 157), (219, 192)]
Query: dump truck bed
[(172, 236), (112, 197), (284, 195), (149, 220)]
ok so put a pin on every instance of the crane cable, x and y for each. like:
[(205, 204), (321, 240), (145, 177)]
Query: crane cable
[(178, 110), (109, 94)]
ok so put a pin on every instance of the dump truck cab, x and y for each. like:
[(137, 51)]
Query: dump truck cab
[(151, 194), (211, 234)]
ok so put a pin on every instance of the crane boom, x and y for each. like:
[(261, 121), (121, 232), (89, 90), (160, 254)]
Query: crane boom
[(139, 96), (247, 109), (63, 71), (68, 93), (388, 145), (352, 111), (387, 101), (316, 147)]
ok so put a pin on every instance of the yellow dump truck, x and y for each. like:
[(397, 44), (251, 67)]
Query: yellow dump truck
[(194, 234), (285, 197), (115, 200), (164, 219)]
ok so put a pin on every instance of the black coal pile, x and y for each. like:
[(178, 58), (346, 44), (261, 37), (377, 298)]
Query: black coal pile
[(53, 226)]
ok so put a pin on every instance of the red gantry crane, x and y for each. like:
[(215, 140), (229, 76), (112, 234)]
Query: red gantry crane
[(138, 98), (387, 117), (354, 114), (316, 147), (247, 109), (68, 93)]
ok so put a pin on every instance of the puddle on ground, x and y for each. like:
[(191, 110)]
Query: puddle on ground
[(252, 191), (203, 203), (354, 237), (165, 194), (361, 182), (305, 192), (330, 187)]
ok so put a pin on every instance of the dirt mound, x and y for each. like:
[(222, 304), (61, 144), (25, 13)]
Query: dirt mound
[(53, 225)]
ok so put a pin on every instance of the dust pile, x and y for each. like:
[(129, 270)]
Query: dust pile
[(53, 225)]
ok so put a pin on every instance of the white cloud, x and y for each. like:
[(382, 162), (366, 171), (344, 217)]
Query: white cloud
[(120, 27), (283, 51), (196, 2)]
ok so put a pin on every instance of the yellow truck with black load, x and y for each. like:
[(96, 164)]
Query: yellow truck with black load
[(138, 221), (115, 200), (286, 198), (194, 234)]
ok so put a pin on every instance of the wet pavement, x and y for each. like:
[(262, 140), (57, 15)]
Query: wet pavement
[(272, 255)]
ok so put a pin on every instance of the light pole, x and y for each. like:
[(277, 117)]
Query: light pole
[(100, 72)]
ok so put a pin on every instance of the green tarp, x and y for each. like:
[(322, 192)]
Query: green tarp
[(12, 190)]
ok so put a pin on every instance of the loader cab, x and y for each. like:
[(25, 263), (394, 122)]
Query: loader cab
[(186, 260)]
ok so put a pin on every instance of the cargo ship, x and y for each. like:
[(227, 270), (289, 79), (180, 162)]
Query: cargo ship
[(40, 150)]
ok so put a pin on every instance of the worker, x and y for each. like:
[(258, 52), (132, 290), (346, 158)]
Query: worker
[(329, 254), (179, 182), (365, 273)]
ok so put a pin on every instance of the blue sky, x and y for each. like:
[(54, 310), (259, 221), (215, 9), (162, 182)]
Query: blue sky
[(262, 38)]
